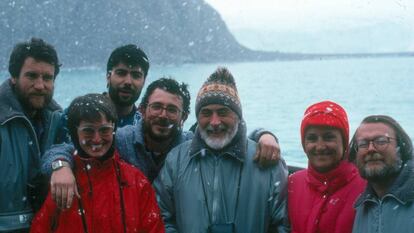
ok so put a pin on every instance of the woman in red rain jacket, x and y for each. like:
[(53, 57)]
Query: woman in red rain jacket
[(321, 198), (114, 196)]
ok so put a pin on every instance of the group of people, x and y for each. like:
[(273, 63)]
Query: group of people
[(127, 168)]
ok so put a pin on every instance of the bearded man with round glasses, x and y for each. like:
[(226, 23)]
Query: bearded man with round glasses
[(383, 153)]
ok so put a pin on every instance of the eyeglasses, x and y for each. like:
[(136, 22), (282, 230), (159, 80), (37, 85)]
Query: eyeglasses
[(171, 111), (103, 131), (380, 143)]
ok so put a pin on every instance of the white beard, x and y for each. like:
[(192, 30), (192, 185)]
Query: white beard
[(219, 143)]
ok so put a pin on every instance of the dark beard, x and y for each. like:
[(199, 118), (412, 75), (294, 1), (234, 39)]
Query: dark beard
[(173, 134), (113, 94), (25, 102)]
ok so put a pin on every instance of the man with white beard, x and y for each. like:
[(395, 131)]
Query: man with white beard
[(383, 153), (210, 183)]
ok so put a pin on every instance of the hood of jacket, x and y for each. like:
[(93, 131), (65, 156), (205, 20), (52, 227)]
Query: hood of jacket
[(10, 105)]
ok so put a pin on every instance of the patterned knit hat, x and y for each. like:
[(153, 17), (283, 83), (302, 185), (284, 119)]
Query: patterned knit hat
[(326, 113), (220, 88)]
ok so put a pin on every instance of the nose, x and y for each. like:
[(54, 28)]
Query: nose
[(215, 119), (39, 84), (128, 78), (96, 136), (163, 113), (371, 147), (320, 144)]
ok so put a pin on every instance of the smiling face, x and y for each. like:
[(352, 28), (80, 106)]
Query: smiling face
[(35, 84), (377, 162), (163, 115), (95, 138), (218, 125), (125, 84), (324, 147)]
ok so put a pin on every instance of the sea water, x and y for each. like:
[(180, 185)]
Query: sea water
[(275, 94)]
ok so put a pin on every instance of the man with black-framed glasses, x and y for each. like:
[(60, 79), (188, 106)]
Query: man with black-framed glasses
[(383, 153)]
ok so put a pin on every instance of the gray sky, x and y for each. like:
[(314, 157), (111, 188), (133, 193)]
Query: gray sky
[(321, 25), (312, 13)]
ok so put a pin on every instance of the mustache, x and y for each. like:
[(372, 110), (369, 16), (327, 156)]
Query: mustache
[(126, 89), (373, 156), (164, 122), (215, 129)]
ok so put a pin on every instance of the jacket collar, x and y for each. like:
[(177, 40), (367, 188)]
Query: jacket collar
[(330, 182), (10, 105), (236, 149), (402, 189)]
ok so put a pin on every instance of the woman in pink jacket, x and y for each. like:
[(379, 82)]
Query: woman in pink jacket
[(321, 198)]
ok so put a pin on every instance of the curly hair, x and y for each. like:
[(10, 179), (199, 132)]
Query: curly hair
[(170, 85)]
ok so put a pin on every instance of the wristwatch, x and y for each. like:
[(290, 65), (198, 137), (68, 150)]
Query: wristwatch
[(58, 164)]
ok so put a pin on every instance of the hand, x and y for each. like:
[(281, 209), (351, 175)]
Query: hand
[(267, 151), (63, 187)]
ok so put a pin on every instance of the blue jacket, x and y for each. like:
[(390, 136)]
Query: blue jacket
[(21, 184), (394, 212), (198, 187)]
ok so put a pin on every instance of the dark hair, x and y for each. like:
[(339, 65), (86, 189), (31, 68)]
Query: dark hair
[(89, 108), (172, 86), (403, 140), (129, 55), (36, 48)]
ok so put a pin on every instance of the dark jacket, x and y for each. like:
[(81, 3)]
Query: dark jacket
[(105, 211), (198, 187), (21, 185), (392, 213)]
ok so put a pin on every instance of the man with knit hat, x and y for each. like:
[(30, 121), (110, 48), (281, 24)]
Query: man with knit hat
[(210, 183), (321, 197), (383, 153)]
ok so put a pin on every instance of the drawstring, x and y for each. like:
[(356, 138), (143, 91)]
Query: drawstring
[(118, 177), (120, 185)]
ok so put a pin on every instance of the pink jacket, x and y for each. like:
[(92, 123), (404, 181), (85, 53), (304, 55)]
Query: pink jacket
[(323, 203)]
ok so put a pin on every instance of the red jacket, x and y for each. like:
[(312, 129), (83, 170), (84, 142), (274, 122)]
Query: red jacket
[(323, 203), (100, 197)]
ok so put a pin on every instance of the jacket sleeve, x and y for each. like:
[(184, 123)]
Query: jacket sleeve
[(278, 200), (152, 220), (45, 218), (61, 151), (257, 133), (165, 196)]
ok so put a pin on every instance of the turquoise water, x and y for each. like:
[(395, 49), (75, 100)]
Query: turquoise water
[(275, 94)]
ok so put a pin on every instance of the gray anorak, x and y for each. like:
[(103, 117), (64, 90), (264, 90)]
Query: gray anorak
[(394, 212), (198, 187)]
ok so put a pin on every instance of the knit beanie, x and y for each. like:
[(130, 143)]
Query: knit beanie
[(220, 88), (326, 113)]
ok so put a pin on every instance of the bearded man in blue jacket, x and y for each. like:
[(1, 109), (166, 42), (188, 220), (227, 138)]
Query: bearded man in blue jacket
[(29, 118)]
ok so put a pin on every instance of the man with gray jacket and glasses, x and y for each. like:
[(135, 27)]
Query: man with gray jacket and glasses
[(383, 153)]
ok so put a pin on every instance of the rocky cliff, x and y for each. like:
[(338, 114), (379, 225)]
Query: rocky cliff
[(85, 32)]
